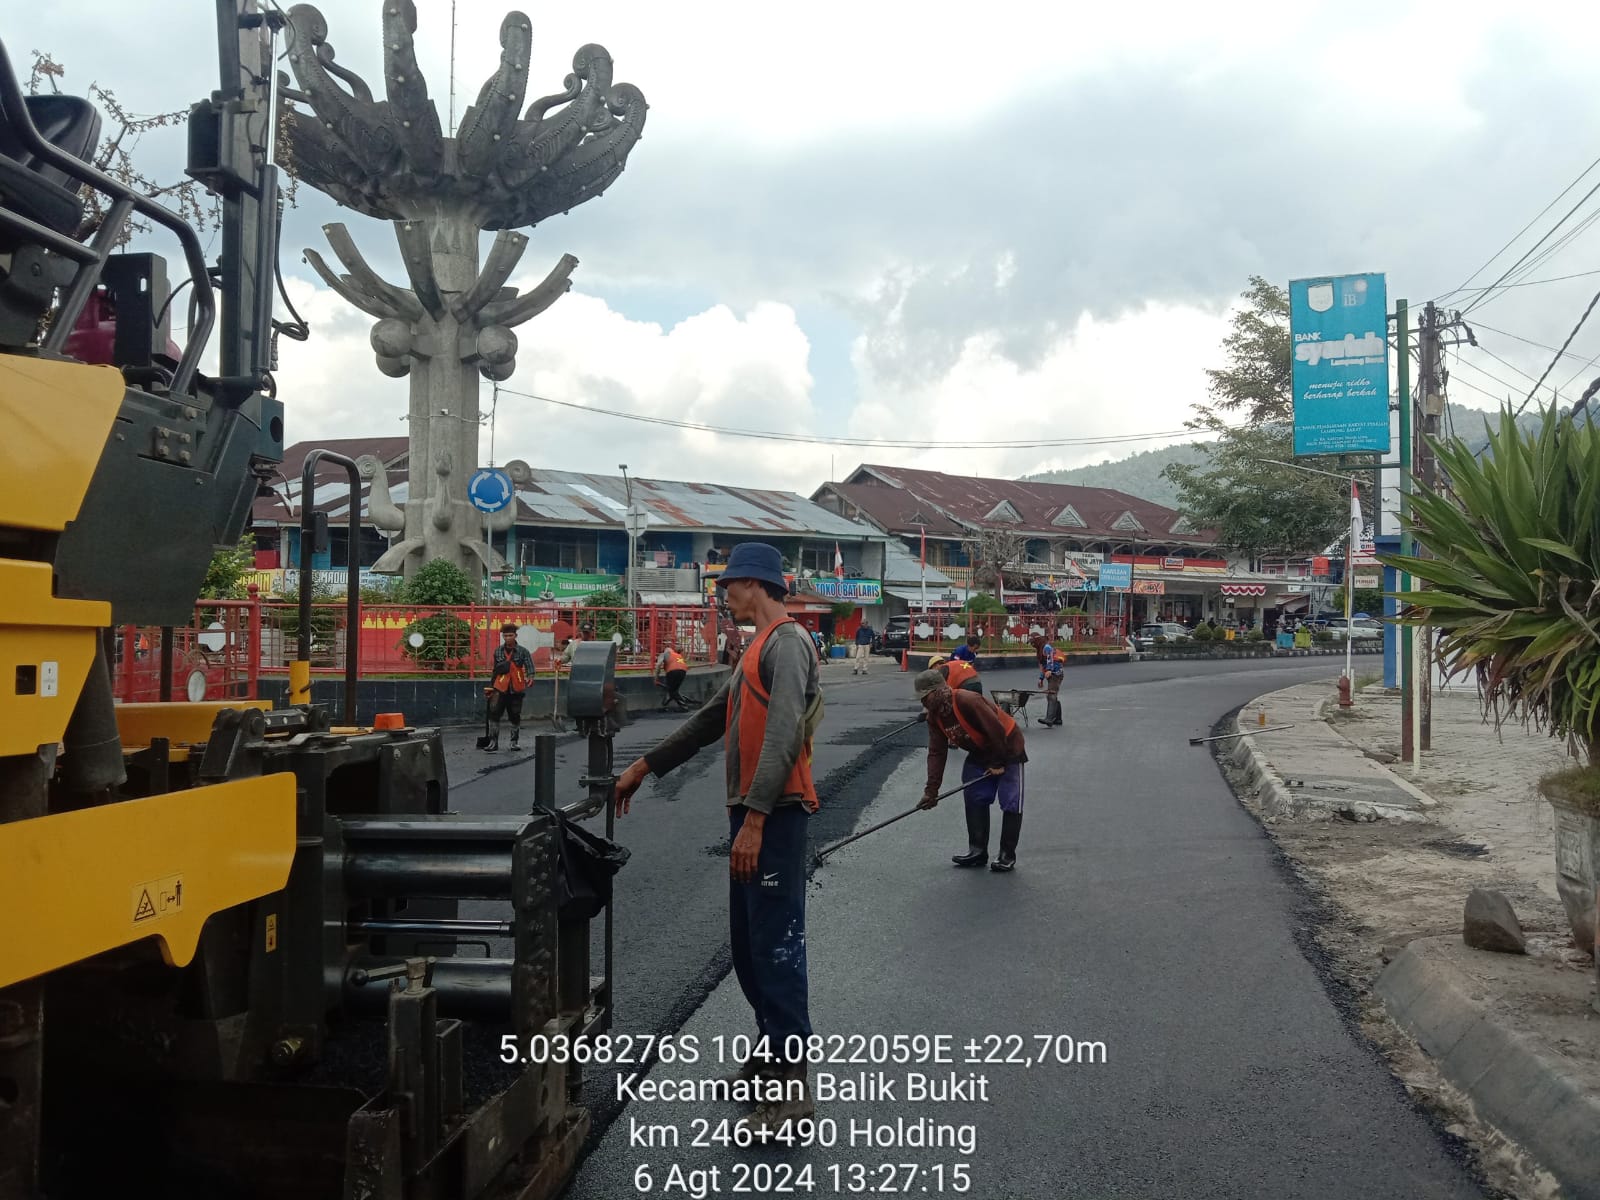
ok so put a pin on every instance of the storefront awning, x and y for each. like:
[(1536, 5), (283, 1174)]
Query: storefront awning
[(936, 596), (1244, 589)]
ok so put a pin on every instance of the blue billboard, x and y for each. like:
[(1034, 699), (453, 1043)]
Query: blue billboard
[(1340, 371), (1116, 576)]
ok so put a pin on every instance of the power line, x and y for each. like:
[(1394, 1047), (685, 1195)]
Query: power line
[(1460, 362), (1530, 250), (1535, 282), (1462, 286), (1559, 353), (884, 443)]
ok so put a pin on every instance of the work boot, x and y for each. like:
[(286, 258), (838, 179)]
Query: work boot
[(494, 741), (516, 732), (1010, 830), (977, 837), (771, 1116), (753, 1067)]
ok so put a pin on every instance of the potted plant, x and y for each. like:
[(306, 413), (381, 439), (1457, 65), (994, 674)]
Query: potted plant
[(1512, 572)]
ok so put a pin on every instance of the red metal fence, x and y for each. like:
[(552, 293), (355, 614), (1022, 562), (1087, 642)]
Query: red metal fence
[(1002, 631), (233, 644), (213, 658), (460, 640)]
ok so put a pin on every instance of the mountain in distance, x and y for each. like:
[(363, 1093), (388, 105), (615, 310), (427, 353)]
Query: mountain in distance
[(1140, 474), (1137, 475)]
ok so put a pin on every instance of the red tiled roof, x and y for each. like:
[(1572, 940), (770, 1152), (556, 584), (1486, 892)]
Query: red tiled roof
[(892, 495)]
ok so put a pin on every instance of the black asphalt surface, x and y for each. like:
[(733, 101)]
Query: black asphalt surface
[(1149, 916)]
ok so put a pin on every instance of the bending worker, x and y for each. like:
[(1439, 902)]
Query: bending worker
[(959, 673), (765, 714), (995, 754), (673, 668)]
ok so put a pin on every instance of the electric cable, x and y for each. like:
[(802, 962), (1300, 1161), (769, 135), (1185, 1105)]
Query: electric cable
[(1462, 286), (884, 443)]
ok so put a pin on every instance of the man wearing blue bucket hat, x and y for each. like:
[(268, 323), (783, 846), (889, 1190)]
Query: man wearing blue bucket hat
[(765, 715)]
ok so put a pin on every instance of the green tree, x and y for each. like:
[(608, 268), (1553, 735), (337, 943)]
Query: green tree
[(608, 621), (983, 603), (1256, 507), (229, 565), (444, 639), (439, 582)]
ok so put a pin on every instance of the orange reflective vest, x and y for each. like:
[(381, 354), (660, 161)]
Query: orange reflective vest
[(958, 671), (964, 735), (752, 713), (676, 661)]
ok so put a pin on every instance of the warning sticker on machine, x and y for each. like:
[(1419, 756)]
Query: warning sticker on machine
[(156, 899)]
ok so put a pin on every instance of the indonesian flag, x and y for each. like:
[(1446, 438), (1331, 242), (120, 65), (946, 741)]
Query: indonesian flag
[(924, 533), (1357, 525), (838, 562)]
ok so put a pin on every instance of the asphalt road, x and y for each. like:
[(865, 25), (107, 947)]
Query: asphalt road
[(1148, 937)]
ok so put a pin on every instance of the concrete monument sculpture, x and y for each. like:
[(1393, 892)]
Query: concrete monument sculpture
[(504, 168)]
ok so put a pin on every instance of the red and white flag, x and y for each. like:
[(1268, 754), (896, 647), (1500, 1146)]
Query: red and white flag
[(838, 562), (1357, 525)]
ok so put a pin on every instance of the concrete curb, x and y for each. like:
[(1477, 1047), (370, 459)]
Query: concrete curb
[(1529, 1095), (1405, 785), (1272, 793), (1278, 801)]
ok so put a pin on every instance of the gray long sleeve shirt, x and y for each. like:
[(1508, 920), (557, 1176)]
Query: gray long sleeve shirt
[(788, 670)]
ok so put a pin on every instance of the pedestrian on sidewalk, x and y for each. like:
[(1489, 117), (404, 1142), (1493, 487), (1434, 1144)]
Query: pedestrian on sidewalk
[(996, 753), (513, 668), (1050, 672), (672, 669), (861, 657), (765, 713)]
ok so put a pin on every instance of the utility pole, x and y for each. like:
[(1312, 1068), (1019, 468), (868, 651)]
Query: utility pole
[(1431, 339)]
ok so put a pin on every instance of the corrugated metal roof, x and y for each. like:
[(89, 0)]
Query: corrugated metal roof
[(600, 501)]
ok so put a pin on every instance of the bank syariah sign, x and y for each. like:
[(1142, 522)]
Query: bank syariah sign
[(1340, 368)]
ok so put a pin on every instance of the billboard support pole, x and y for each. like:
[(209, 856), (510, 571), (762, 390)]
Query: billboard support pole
[(1408, 673)]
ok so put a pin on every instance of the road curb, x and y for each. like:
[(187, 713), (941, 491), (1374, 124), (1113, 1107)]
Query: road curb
[(1272, 794), (1523, 1091)]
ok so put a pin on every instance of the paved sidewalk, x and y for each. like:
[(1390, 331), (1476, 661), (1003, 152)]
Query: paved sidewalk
[(1509, 1039)]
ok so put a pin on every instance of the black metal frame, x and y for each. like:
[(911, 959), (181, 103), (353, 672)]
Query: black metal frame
[(92, 258), (352, 598)]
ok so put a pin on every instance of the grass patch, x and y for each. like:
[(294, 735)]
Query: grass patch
[(1367, 679), (1576, 787)]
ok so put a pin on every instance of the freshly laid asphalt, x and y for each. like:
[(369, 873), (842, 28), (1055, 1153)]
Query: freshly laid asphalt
[(1149, 915)]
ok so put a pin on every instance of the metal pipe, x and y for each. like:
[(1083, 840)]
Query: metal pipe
[(438, 872), (544, 770), (385, 927), (466, 988), (166, 664), (352, 599)]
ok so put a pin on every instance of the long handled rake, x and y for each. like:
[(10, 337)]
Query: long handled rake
[(816, 859)]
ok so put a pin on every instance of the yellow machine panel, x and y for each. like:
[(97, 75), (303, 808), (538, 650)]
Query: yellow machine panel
[(46, 646), (79, 883), (57, 417), (179, 723)]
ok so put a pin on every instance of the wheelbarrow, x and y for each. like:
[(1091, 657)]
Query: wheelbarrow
[(1012, 701)]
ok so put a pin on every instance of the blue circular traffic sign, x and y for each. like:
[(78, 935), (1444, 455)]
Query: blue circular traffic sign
[(490, 490)]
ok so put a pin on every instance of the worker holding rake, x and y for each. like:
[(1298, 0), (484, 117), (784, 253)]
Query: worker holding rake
[(992, 771)]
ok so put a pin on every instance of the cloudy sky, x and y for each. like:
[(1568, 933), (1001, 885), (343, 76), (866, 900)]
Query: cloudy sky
[(954, 222)]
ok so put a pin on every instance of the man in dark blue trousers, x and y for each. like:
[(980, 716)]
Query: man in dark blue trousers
[(765, 715)]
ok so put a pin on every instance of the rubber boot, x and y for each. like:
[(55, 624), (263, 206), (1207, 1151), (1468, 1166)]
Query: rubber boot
[(977, 838), (1010, 830), (771, 1116), (516, 732), (494, 742)]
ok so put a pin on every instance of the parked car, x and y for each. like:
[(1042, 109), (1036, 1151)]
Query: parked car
[(896, 636), (1145, 638), (1358, 629)]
